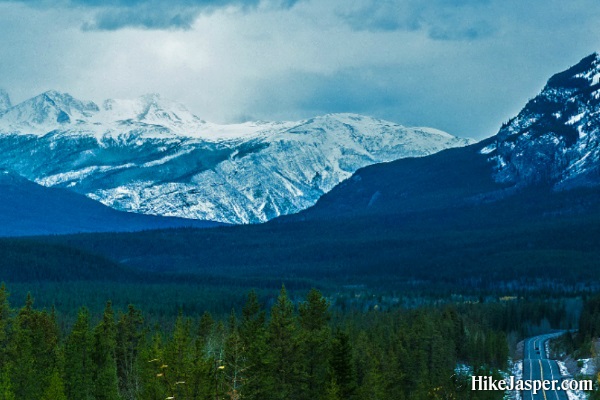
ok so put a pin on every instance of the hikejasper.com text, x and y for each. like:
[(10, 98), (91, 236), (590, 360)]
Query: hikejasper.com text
[(533, 385)]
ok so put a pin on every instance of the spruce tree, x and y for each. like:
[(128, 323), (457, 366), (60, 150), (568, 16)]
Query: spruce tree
[(106, 386), (202, 375), (315, 339), (129, 335), (5, 322), (284, 351), (6, 387), (78, 359), (236, 361), (55, 389), (342, 365), (34, 351), (179, 358), (253, 335)]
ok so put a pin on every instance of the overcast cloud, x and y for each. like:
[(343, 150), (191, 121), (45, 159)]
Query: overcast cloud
[(463, 66)]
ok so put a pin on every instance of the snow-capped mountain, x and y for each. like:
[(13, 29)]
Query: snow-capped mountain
[(48, 111), (555, 138), (534, 163), (153, 156)]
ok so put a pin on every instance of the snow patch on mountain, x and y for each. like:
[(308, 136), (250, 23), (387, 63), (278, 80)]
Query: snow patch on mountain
[(153, 156), (555, 139)]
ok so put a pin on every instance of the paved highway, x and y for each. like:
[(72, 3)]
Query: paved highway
[(537, 366)]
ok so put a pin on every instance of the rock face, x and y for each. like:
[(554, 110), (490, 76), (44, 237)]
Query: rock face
[(152, 156), (554, 139)]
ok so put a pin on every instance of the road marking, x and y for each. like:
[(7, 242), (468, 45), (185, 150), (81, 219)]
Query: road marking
[(542, 379), (531, 376), (552, 377)]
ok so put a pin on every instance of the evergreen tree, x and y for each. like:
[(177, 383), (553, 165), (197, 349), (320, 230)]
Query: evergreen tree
[(152, 359), (284, 351), (106, 386), (129, 335), (24, 365), (236, 362), (202, 374), (55, 389), (78, 359), (342, 365), (6, 387), (253, 335), (5, 321), (370, 378), (333, 391), (316, 337), (179, 358), (34, 351)]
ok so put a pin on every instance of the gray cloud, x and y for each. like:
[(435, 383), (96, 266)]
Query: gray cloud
[(380, 92), (144, 16), (463, 66), (152, 14), (440, 19)]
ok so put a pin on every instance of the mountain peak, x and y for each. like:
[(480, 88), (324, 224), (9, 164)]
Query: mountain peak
[(555, 138), (150, 109), (46, 112), (582, 75), (68, 103)]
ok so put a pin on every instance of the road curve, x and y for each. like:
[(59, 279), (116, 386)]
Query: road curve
[(537, 366)]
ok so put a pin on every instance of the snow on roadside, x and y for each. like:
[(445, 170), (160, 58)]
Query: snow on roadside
[(571, 394), (589, 367), (517, 371)]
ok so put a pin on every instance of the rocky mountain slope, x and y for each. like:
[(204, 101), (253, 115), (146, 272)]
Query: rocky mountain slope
[(556, 137), (551, 146), (152, 156)]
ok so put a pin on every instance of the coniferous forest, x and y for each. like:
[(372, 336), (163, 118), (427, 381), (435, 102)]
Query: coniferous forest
[(406, 313), (303, 348)]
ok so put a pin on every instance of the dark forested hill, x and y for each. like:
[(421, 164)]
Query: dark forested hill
[(27, 208)]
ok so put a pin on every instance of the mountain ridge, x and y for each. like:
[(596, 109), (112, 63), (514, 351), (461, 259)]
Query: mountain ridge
[(152, 156), (556, 136), (27, 209), (553, 144)]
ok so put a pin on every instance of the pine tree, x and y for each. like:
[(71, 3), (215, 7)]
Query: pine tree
[(129, 335), (35, 351), (55, 389), (333, 391), (5, 322), (178, 358), (370, 382), (236, 361), (6, 387), (342, 365), (23, 354), (201, 382), (316, 337), (106, 386), (151, 360), (78, 359), (284, 351), (253, 335)]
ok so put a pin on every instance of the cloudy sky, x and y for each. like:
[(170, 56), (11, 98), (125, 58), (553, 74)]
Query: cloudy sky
[(463, 66)]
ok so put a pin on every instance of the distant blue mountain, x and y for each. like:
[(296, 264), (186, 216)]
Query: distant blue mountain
[(28, 209)]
